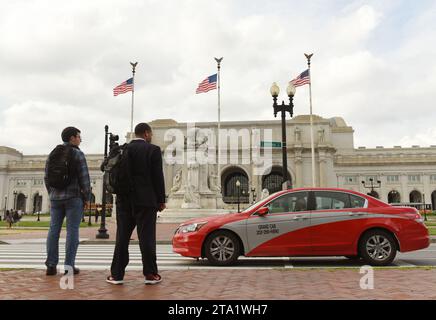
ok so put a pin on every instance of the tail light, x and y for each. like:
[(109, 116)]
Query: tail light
[(415, 216)]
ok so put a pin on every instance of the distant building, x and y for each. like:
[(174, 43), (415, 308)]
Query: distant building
[(405, 174)]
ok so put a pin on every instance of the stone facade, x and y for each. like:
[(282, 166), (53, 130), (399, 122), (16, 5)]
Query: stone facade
[(405, 174)]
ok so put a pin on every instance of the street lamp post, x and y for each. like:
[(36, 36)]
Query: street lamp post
[(372, 186), (25, 204), (102, 232), (275, 90), (15, 200), (238, 187), (425, 211), (6, 203), (34, 203), (90, 207)]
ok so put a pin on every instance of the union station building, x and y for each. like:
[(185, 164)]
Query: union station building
[(398, 174)]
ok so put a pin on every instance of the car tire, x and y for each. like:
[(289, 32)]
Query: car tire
[(378, 248), (222, 248)]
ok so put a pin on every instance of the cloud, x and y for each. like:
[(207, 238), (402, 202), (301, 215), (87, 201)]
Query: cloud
[(60, 62)]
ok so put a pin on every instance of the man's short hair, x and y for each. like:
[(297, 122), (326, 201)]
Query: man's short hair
[(69, 132), (142, 128)]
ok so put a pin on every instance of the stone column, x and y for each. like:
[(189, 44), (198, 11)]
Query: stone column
[(29, 200), (383, 188), (404, 192), (427, 191), (298, 169), (322, 168), (45, 202)]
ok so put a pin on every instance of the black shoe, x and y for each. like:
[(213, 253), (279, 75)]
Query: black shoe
[(75, 271), (51, 271)]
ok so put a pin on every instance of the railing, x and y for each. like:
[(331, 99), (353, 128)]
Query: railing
[(416, 205), (232, 199)]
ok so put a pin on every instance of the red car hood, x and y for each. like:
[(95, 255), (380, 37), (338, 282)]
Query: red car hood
[(225, 218)]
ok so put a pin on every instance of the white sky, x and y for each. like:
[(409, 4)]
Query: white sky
[(374, 65)]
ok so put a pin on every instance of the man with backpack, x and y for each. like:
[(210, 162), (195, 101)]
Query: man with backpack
[(137, 179), (68, 184)]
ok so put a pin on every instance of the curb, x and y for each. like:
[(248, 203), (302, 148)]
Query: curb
[(432, 240), (85, 242)]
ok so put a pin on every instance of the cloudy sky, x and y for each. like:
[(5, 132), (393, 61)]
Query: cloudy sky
[(374, 65)]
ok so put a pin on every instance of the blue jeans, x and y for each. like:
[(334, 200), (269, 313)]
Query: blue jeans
[(73, 210)]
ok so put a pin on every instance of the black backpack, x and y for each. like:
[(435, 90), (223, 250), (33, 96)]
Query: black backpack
[(61, 166), (117, 176)]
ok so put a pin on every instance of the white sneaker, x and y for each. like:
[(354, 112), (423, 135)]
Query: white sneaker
[(152, 279)]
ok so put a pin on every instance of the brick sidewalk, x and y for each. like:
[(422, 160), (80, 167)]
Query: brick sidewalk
[(222, 284)]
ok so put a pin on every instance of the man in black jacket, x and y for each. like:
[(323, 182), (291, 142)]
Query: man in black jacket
[(140, 207)]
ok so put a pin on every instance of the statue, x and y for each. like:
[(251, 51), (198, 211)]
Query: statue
[(213, 183), (265, 193), (297, 135), (321, 133), (177, 181), (191, 199)]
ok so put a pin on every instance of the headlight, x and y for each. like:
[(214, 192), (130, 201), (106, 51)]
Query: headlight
[(191, 227)]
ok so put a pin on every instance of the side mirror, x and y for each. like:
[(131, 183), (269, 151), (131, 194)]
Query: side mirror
[(262, 211)]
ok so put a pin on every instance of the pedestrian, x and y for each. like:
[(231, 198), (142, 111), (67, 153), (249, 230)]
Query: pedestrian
[(140, 207), (68, 184)]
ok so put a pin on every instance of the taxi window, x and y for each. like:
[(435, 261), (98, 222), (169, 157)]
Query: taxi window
[(356, 202), (326, 200), (292, 202)]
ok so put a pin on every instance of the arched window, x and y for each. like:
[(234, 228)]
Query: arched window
[(415, 197), (433, 200), (374, 194), (37, 203), (274, 180), (21, 203), (394, 197), (231, 191)]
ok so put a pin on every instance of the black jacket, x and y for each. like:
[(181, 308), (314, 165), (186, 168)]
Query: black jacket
[(147, 173)]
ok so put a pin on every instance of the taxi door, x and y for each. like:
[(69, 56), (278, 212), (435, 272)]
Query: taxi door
[(283, 231)]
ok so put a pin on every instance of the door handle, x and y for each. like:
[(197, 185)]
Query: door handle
[(353, 214)]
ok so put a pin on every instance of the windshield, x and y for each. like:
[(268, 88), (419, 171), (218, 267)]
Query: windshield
[(254, 205)]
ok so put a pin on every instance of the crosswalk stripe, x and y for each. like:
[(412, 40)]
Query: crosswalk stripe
[(99, 257)]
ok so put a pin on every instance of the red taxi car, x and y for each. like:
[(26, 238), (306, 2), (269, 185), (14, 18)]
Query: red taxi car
[(306, 222)]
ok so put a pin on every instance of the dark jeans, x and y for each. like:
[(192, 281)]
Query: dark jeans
[(144, 218), (73, 210)]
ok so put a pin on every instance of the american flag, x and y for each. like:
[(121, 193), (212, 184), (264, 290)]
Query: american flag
[(302, 79), (207, 84), (124, 87)]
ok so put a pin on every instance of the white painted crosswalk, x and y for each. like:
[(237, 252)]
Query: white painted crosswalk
[(99, 257)]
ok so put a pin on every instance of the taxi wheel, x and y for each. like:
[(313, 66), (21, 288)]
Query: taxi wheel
[(378, 247), (222, 248)]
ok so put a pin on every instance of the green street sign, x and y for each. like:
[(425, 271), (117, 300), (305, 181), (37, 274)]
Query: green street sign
[(270, 144)]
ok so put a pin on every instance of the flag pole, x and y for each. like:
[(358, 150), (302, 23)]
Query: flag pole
[(133, 95), (309, 56), (218, 60)]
